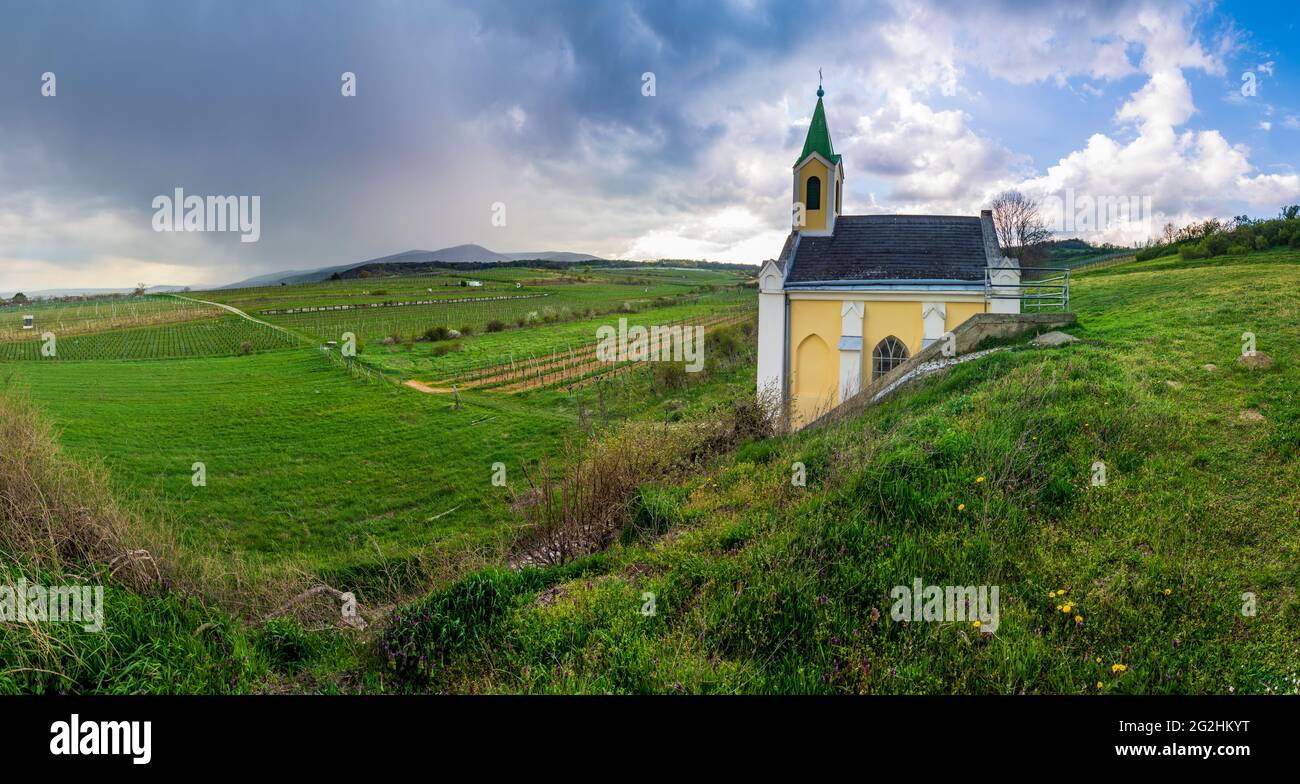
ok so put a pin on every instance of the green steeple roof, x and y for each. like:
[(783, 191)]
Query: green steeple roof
[(819, 136)]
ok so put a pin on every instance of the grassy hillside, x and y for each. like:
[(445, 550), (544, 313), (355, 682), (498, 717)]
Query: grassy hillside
[(978, 477)]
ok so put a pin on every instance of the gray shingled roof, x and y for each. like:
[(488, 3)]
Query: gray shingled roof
[(889, 247)]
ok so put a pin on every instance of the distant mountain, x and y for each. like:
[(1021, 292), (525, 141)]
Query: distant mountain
[(553, 255), (456, 254), (41, 293)]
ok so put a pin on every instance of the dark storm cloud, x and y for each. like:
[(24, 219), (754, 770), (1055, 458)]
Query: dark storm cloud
[(609, 46), (243, 98)]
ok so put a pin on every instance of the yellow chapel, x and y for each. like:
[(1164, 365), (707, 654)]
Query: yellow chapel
[(850, 297)]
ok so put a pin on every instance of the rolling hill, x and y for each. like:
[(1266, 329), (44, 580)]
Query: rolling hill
[(456, 254)]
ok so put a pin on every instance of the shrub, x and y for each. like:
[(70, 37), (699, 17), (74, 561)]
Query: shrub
[(653, 511), (1261, 243), (1146, 254), (495, 326), (437, 333), (466, 330), (245, 348), (1295, 240), (669, 375), (1216, 244), (583, 508), (727, 344)]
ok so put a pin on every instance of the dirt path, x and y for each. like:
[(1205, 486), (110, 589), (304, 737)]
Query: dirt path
[(242, 314), (420, 386)]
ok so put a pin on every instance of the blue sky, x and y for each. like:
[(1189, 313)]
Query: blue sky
[(936, 106)]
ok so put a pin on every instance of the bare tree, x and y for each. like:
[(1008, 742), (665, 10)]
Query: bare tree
[(1170, 233), (1019, 225)]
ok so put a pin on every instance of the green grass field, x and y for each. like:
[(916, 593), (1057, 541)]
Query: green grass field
[(981, 476), (304, 463)]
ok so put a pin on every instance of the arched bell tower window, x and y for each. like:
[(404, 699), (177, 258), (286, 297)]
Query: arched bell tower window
[(813, 198), (887, 355)]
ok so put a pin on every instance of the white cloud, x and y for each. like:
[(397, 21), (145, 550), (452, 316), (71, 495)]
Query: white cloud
[(932, 160)]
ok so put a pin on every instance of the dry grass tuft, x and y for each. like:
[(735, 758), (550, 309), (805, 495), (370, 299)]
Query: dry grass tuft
[(57, 514)]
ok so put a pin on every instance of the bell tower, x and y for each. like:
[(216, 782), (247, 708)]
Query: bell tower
[(818, 179)]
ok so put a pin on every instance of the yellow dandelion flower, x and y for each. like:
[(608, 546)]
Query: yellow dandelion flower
[(1065, 608), (1078, 619), (976, 624), (961, 507), (1098, 684), (1118, 667), (979, 479), (1168, 591), (1051, 594), (1099, 660)]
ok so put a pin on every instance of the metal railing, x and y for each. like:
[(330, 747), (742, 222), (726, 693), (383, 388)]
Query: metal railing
[(1039, 288)]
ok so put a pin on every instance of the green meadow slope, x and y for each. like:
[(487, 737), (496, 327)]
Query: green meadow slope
[(980, 476)]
